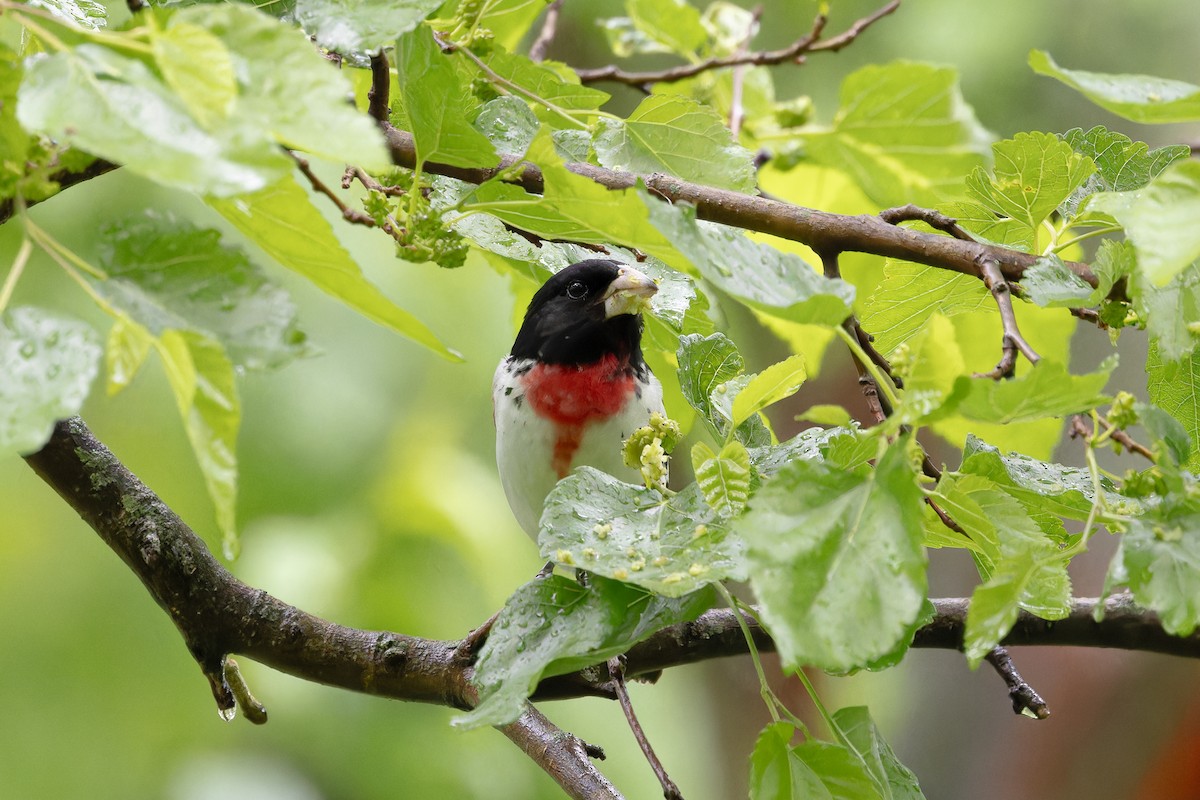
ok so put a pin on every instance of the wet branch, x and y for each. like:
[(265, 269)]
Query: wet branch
[(378, 96), (563, 756), (616, 669), (1025, 699)]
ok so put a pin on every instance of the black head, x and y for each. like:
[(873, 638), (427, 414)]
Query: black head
[(586, 311)]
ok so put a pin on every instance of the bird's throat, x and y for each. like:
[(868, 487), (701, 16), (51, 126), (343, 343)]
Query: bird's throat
[(570, 397)]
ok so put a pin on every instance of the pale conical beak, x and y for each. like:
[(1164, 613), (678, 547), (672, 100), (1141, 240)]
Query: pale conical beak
[(629, 293)]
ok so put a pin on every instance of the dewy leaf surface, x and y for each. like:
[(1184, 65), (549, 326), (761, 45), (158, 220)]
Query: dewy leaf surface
[(347, 26), (668, 545), (554, 625), (48, 363), (836, 559)]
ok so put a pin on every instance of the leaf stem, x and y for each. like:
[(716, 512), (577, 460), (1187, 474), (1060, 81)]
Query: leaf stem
[(763, 688), (14, 274), (881, 380), (1084, 236)]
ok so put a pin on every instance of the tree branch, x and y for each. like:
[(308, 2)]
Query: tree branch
[(378, 96), (537, 50), (563, 756), (819, 230), (218, 615), (1012, 341), (793, 53)]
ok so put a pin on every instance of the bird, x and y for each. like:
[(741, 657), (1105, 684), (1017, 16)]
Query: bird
[(575, 384)]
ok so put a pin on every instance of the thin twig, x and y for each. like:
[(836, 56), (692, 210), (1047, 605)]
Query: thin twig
[(1025, 699), (537, 50), (736, 111), (379, 95), (1012, 340), (318, 185), (793, 53), (930, 216), (1081, 429), (1089, 315), (877, 403), (616, 668)]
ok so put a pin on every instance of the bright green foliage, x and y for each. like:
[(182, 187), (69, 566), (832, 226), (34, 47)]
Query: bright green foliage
[(670, 545), (776, 382), (828, 528), (166, 274), (1172, 386), (291, 230), (347, 26), (903, 132), (1047, 390), (437, 105), (1158, 220), (724, 477), (202, 380), (862, 769), (48, 364), (554, 625), (1034, 174), (836, 559), (1141, 98), (189, 128), (677, 136)]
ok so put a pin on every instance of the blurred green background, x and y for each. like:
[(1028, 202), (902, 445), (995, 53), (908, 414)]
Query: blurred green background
[(369, 496)]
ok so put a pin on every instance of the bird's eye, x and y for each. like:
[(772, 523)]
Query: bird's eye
[(576, 290)]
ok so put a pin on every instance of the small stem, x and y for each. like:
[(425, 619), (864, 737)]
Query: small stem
[(1025, 699), (1058, 248), (537, 50), (885, 386), (617, 670), (763, 688), (14, 274)]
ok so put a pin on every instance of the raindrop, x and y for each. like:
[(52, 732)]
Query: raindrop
[(228, 713), (28, 350)]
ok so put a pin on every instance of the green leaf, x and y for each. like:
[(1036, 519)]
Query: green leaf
[(1060, 490), (704, 363), (673, 23), (933, 363), (202, 380), (678, 136), (551, 81), (128, 345), (903, 132), (508, 124), (282, 221), (724, 477), (1122, 164), (894, 780), (667, 545), (199, 68), (1033, 174), (841, 772), (775, 383), (1175, 388), (1169, 310), (166, 273), (776, 772), (436, 102), (765, 279), (48, 363), (118, 107), (553, 625), (910, 293), (1159, 220), (1167, 431), (1050, 284), (263, 49), (349, 26), (836, 559), (573, 207), (85, 13), (1140, 98), (1159, 560), (1047, 390)]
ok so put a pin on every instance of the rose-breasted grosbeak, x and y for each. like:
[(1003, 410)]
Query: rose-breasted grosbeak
[(575, 385)]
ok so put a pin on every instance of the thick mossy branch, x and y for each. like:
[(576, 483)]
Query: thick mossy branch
[(219, 615)]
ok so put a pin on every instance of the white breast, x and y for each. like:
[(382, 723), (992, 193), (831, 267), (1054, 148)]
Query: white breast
[(525, 441)]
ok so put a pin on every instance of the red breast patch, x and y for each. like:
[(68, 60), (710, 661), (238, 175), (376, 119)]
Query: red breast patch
[(571, 396)]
